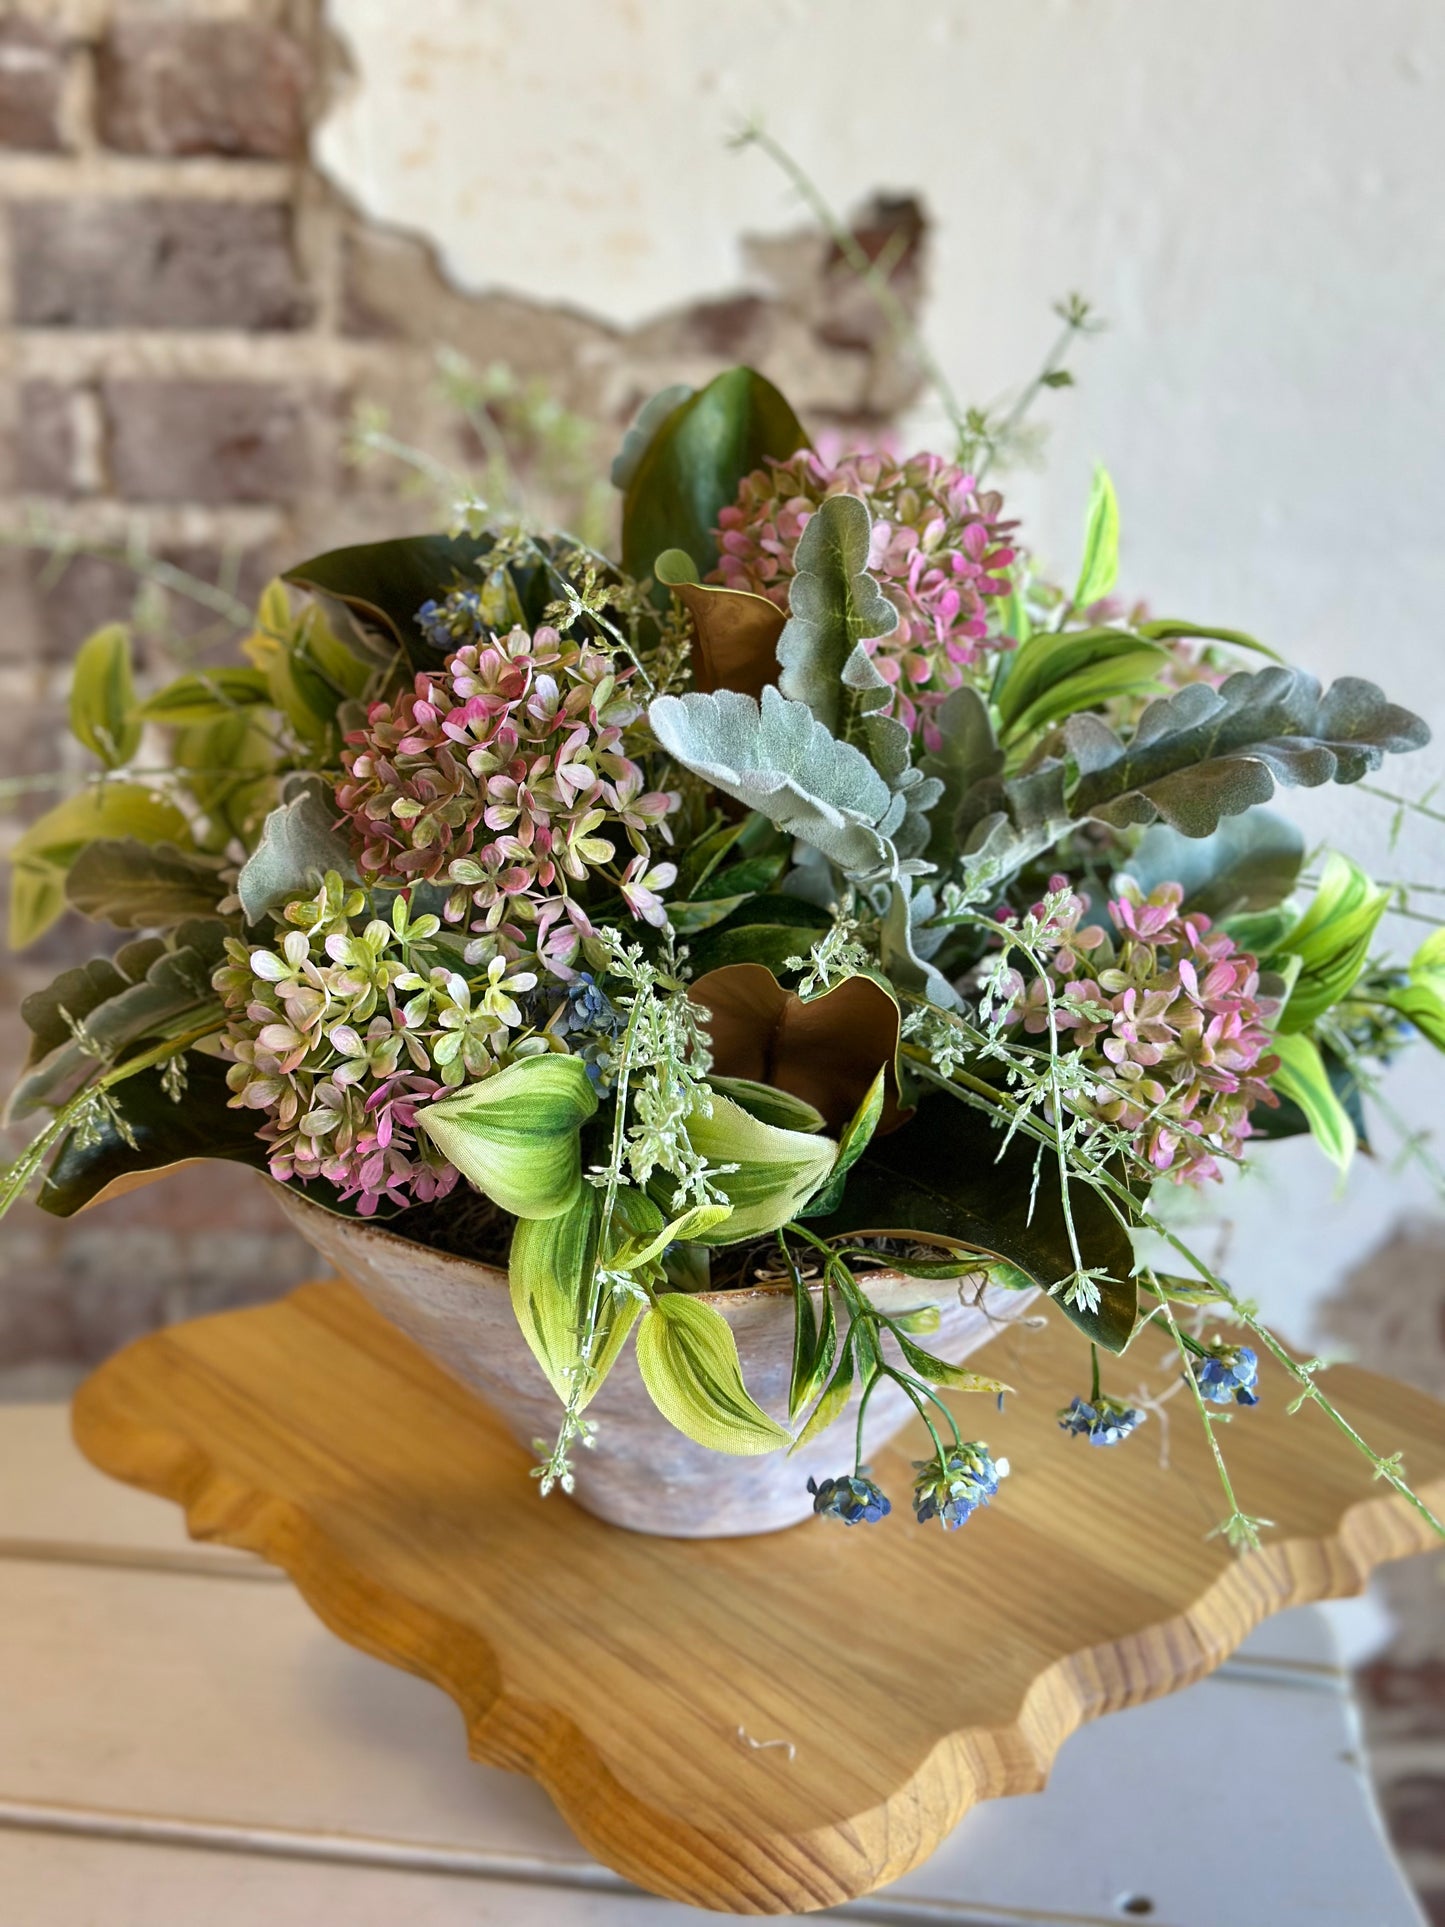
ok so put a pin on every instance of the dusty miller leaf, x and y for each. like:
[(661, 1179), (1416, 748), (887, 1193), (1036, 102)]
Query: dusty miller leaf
[(298, 846), (835, 604)]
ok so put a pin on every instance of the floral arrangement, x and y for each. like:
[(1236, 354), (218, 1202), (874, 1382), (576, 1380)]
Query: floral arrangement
[(817, 888)]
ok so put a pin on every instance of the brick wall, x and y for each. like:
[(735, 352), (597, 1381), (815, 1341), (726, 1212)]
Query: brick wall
[(189, 315)]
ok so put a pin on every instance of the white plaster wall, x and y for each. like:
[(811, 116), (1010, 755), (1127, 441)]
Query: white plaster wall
[(1250, 191)]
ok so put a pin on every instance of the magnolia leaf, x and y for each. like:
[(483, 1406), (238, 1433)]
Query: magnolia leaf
[(204, 697), (299, 844), (949, 1177), (383, 584), (835, 605), (777, 1171), (827, 1050), (516, 1133), (1099, 570), (1250, 863), (1331, 941), (778, 759), (645, 424), (143, 886), (102, 697), (1053, 675), (550, 1271), (1302, 1077), (765, 930), (1422, 999), (166, 1134), (688, 1358), (735, 634), (1204, 753), (692, 464)]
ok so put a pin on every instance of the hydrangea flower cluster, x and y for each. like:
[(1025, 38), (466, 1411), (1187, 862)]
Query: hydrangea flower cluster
[(1167, 1017), (349, 1024), (952, 1490), (504, 776), (1101, 1420), (851, 1498), (940, 550)]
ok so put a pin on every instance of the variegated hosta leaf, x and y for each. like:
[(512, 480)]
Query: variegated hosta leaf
[(298, 845), (777, 1171), (1422, 999), (779, 760), (1205, 753), (688, 1358), (551, 1271), (835, 605), (516, 1134), (1302, 1077), (1331, 942)]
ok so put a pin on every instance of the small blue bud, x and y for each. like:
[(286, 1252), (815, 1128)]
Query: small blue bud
[(1228, 1376), (953, 1491), (856, 1501), (1104, 1422)]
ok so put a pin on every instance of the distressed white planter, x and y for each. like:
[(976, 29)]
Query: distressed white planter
[(642, 1473)]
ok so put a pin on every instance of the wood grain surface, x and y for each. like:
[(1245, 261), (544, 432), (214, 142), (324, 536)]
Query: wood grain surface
[(764, 1725)]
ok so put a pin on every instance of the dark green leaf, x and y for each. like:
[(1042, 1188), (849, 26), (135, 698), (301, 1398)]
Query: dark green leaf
[(385, 583), (941, 1177), (692, 464), (1249, 863)]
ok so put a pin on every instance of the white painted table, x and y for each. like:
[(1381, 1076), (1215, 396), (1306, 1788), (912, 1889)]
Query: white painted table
[(181, 1742)]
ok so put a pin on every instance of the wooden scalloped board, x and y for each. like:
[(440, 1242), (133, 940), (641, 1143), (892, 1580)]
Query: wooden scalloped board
[(647, 1683)]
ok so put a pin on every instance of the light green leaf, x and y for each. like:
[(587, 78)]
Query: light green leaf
[(1331, 940), (102, 696), (639, 1250), (1170, 629), (44, 852), (778, 759), (688, 1358), (771, 1105), (142, 886), (1422, 999), (851, 1146), (1204, 753), (835, 1393), (1052, 675), (1302, 1077), (778, 1170), (516, 1134), (835, 605), (550, 1272), (204, 697), (1099, 570), (298, 846), (938, 1371)]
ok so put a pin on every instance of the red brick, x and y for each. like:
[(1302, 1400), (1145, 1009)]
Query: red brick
[(32, 79), (155, 264), (48, 444), (203, 87), (206, 441), (1414, 1810), (1413, 1694), (92, 590)]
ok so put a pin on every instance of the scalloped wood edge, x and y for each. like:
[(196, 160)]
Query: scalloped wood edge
[(760, 1867)]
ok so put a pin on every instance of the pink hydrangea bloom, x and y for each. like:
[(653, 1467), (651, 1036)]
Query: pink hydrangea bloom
[(1167, 1013), (941, 551), (504, 775)]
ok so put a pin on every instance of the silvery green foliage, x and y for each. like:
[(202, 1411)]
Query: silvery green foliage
[(777, 758), (1204, 753), (298, 845), (836, 608), (835, 604), (906, 945)]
